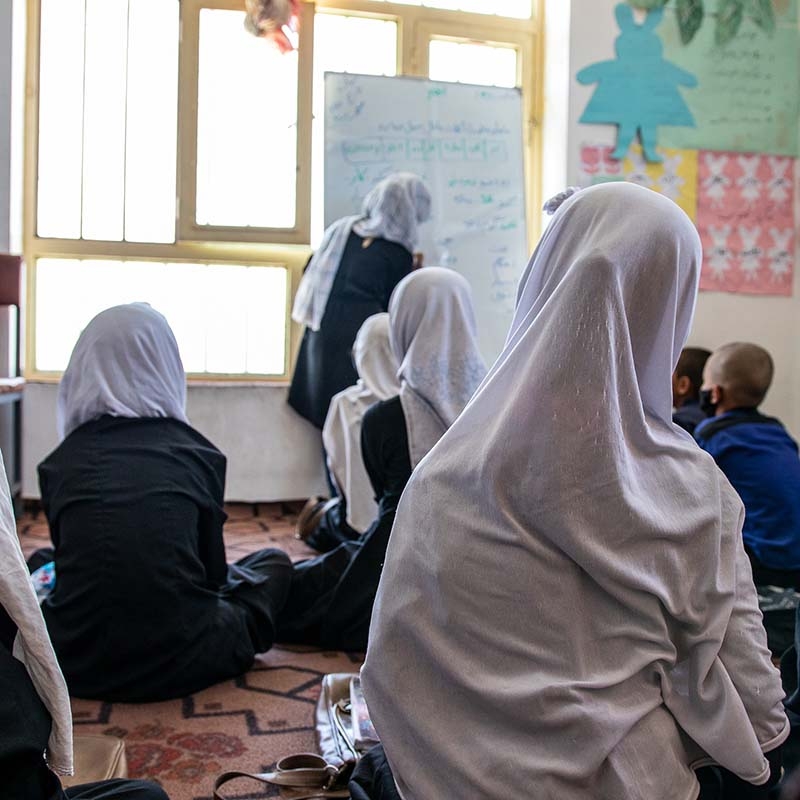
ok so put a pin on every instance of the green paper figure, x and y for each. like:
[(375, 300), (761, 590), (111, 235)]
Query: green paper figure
[(638, 91)]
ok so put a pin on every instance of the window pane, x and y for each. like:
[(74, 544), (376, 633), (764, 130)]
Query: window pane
[(246, 127), (362, 45), (520, 9), (467, 62), (104, 119), (228, 319), (60, 118), (152, 121), (108, 119)]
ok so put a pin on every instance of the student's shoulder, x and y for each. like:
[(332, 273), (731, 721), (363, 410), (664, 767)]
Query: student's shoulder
[(739, 427), (184, 433)]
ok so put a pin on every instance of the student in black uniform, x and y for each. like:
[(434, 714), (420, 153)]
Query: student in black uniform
[(432, 332), (35, 718), (145, 606), (351, 277)]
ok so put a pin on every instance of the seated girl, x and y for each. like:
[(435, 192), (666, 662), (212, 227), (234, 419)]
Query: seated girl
[(348, 515), (35, 717), (432, 333), (566, 609), (145, 606)]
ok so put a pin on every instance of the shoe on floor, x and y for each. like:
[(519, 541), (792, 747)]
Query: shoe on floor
[(309, 517)]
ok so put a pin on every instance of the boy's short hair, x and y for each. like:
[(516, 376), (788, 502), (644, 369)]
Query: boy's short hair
[(744, 371), (691, 364)]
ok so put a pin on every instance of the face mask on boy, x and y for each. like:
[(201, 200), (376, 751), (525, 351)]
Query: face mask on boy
[(707, 405)]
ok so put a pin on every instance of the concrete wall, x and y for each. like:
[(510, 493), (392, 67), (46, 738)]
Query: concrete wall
[(772, 322), (272, 453)]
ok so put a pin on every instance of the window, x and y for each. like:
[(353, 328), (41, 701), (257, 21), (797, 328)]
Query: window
[(178, 160), (232, 322), (498, 8), (469, 62), (246, 128), (108, 91)]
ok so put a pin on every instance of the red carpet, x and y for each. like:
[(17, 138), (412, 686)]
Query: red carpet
[(244, 724)]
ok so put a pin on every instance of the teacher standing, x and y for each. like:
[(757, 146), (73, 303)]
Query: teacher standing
[(351, 277)]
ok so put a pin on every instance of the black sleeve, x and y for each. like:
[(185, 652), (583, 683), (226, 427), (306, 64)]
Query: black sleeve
[(212, 518), (384, 448), (45, 491), (372, 449)]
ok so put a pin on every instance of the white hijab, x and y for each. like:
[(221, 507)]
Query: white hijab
[(377, 368), (565, 592), (393, 210), (32, 644), (434, 339), (125, 363)]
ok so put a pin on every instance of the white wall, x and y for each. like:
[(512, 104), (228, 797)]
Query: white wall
[(272, 453), (773, 322)]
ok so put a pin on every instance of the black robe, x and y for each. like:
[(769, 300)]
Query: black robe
[(362, 287), (24, 730), (145, 606), (330, 602)]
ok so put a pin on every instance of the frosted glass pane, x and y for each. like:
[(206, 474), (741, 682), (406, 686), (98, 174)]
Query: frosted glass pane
[(265, 310), (180, 296), (104, 119), (60, 119), (246, 127), (482, 64), (343, 44), (227, 319), (152, 121), (227, 325)]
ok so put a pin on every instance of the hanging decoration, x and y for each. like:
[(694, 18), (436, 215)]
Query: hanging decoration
[(274, 20)]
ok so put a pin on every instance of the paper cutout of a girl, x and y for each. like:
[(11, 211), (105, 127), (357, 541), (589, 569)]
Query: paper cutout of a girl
[(638, 91)]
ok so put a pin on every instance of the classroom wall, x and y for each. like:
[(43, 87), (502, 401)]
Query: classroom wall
[(272, 453), (773, 322)]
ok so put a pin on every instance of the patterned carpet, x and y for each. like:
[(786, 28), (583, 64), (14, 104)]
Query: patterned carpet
[(244, 724)]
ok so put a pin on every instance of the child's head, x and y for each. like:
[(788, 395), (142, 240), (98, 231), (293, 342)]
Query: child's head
[(688, 375), (738, 375)]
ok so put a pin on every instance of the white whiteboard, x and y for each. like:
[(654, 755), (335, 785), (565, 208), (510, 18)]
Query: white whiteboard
[(466, 142)]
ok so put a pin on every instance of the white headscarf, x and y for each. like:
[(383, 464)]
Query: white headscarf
[(32, 644), (393, 210), (565, 592), (377, 368), (433, 336), (126, 363)]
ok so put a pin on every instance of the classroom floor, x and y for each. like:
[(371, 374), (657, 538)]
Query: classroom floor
[(246, 724)]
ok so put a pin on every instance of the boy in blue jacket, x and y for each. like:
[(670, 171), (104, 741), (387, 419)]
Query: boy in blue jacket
[(758, 457)]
